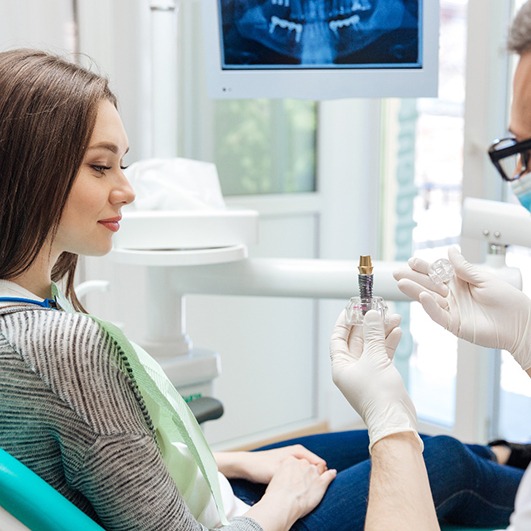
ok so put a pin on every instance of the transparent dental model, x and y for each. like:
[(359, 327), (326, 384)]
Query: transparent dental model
[(357, 307), (441, 271)]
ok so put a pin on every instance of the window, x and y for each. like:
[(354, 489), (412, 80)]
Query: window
[(266, 146), (427, 175)]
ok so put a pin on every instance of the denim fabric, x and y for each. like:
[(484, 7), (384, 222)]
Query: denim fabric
[(468, 486)]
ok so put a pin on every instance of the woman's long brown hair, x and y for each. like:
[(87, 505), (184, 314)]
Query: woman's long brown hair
[(48, 109)]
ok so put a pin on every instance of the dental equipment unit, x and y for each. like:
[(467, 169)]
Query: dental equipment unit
[(223, 268)]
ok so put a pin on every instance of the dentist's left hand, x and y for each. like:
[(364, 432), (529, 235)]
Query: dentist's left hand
[(363, 371)]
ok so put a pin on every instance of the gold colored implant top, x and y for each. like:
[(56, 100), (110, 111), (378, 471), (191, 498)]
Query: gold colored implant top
[(365, 265)]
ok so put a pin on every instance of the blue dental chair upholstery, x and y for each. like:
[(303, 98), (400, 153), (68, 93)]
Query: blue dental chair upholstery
[(35, 503)]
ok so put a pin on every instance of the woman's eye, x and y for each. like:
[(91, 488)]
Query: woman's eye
[(122, 167), (100, 169)]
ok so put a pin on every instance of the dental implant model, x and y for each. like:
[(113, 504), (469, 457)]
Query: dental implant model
[(365, 277), (441, 271), (357, 307)]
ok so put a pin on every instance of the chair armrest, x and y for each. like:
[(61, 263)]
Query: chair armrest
[(206, 408)]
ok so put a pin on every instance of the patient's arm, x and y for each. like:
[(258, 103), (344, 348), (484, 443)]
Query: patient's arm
[(259, 467), (399, 493)]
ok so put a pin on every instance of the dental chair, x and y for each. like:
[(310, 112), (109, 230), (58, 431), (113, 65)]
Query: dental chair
[(34, 503), (37, 506), (28, 502)]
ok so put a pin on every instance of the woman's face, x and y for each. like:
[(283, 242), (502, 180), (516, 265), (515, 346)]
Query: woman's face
[(92, 211)]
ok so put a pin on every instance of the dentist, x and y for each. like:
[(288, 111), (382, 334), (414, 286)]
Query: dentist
[(474, 306)]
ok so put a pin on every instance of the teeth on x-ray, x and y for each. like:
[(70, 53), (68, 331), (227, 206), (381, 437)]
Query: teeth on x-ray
[(333, 7), (326, 31), (286, 24), (280, 3), (335, 24)]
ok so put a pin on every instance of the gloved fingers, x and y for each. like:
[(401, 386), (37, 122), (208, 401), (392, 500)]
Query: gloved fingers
[(346, 343), (355, 341), (437, 312), (374, 337), (413, 289), (422, 281), (393, 321), (419, 265), (391, 342), (342, 327), (423, 267), (464, 269), (392, 333)]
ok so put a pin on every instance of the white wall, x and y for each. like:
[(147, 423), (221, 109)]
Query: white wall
[(276, 375), (33, 23), (283, 359)]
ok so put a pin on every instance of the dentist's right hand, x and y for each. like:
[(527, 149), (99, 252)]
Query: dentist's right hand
[(363, 371), (475, 305)]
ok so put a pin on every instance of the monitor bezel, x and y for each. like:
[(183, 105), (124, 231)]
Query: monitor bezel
[(326, 83)]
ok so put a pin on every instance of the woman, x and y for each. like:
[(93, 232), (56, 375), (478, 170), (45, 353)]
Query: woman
[(76, 407)]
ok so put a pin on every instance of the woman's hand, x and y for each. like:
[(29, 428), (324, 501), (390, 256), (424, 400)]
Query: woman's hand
[(261, 466), (295, 489)]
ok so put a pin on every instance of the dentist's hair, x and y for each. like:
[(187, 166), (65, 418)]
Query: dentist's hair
[(519, 39), (48, 109)]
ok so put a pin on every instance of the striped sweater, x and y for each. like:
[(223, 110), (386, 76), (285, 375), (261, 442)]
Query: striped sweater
[(69, 411)]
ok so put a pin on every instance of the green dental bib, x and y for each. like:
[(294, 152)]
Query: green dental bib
[(183, 446)]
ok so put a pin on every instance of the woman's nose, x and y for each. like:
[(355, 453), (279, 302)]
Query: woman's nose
[(123, 192)]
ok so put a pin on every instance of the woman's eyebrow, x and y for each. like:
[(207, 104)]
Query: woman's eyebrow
[(107, 145)]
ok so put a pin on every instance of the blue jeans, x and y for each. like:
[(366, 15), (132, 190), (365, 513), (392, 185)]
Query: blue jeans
[(469, 487)]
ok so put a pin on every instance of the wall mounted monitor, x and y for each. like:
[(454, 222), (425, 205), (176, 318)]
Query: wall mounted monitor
[(321, 49)]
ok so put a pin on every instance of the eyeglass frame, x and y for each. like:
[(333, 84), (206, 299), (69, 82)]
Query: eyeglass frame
[(521, 148)]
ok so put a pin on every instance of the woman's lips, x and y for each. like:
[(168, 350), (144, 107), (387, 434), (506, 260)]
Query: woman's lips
[(112, 224)]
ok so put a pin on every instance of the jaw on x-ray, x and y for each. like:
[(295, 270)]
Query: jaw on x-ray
[(320, 32)]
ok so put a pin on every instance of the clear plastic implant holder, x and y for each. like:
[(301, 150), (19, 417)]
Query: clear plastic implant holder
[(441, 271), (357, 307)]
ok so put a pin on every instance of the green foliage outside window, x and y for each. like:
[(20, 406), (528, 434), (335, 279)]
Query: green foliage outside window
[(266, 146)]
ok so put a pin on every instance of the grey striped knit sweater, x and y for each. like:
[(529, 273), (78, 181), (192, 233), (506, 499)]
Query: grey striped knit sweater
[(69, 412)]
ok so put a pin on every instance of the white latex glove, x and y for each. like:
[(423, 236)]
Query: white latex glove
[(474, 305), (363, 370)]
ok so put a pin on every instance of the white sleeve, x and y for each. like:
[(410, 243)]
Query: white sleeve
[(521, 517)]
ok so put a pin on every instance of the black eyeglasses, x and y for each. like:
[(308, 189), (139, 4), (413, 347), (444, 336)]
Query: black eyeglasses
[(510, 157)]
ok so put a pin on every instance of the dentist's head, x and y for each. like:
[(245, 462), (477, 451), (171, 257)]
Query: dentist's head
[(511, 156)]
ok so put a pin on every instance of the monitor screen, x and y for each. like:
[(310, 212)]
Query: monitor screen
[(321, 49)]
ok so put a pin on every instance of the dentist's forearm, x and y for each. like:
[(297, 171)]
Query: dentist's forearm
[(399, 495)]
